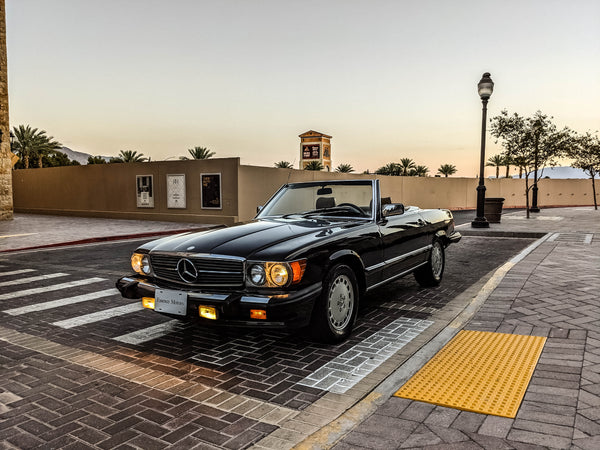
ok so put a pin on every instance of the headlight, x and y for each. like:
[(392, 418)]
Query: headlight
[(257, 275), (140, 263), (279, 274), (275, 274)]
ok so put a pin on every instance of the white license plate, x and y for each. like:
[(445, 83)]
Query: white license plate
[(172, 302)]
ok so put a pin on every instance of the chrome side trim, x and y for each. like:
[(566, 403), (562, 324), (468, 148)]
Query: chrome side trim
[(398, 275), (400, 258)]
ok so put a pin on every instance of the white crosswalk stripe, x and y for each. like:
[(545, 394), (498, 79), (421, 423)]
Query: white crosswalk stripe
[(16, 272), (61, 302), (32, 279), (98, 316), (55, 287), (150, 333)]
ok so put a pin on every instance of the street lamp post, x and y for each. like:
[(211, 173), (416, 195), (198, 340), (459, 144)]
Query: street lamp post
[(485, 88), (534, 195)]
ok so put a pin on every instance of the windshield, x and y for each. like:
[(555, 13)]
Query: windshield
[(349, 199)]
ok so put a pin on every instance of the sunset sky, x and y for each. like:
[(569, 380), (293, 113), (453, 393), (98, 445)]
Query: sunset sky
[(387, 79)]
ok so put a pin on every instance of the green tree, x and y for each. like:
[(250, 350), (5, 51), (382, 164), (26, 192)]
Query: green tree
[(58, 159), (496, 161), (535, 142), (586, 155), (31, 143), (419, 171), (199, 153), (447, 169), (129, 156), (406, 165), (284, 165), (344, 168), (96, 160), (391, 169), (314, 165)]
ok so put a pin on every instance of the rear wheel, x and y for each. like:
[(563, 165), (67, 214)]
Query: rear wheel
[(431, 273), (335, 311)]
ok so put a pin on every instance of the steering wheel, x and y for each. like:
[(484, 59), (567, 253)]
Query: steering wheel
[(355, 208)]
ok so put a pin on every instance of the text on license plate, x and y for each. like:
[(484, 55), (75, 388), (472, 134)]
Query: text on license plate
[(171, 302)]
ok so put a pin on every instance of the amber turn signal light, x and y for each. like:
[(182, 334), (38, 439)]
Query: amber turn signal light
[(258, 314)]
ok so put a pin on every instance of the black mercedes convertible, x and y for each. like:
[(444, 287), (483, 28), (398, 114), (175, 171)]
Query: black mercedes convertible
[(305, 260)]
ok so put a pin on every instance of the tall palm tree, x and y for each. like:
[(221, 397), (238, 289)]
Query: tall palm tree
[(314, 165), (283, 165), (199, 153), (496, 161), (129, 156), (344, 168), (406, 164), (447, 169), (33, 143)]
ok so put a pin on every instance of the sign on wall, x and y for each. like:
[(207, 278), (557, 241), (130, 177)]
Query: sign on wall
[(311, 151), (145, 192), (210, 185), (176, 191)]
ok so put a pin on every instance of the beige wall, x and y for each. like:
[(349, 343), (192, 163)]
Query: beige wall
[(109, 190)]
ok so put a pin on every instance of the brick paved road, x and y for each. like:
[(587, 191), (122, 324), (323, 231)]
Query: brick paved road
[(66, 381), (553, 292)]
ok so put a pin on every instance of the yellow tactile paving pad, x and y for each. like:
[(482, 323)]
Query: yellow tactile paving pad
[(478, 371)]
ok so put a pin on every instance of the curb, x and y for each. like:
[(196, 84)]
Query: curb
[(108, 238), (331, 433)]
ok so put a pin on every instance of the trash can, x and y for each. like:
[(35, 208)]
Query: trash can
[(492, 209)]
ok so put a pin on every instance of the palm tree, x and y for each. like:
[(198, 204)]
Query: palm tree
[(314, 165), (344, 168), (496, 161), (129, 156), (33, 143), (283, 165), (447, 169), (420, 171), (406, 164), (199, 153), (392, 169), (96, 160)]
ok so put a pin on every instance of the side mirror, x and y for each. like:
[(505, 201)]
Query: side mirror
[(259, 208), (393, 209)]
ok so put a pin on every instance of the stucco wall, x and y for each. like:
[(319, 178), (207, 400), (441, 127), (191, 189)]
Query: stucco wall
[(110, 190)]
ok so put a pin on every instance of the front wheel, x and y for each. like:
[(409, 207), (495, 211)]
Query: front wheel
[(336, 308), (431, 273)]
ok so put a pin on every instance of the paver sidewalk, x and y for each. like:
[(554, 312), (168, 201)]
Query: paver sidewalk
[(554, 292), (37, 230)]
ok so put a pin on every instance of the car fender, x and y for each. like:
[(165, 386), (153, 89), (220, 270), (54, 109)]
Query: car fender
[(353, 259)]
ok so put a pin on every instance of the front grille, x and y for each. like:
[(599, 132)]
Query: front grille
[(212, 270)]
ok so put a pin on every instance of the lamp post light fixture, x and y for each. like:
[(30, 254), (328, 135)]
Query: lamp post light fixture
[(485, 87)]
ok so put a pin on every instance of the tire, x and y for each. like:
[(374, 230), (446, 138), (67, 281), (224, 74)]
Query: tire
[(335, 311), (431, 274)]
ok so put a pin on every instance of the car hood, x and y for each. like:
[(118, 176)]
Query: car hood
[(254, 238)]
